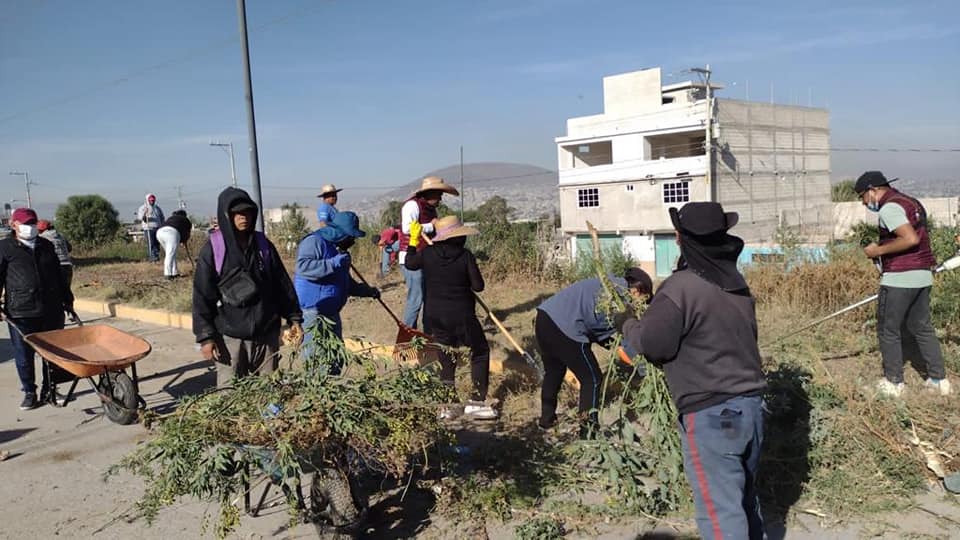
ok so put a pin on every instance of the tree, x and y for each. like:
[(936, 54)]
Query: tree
[(494, 210), (844, 192), (87, 220), (291, 228), (390, 215)]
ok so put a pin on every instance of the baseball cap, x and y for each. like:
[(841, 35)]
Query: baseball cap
[(871, 179)]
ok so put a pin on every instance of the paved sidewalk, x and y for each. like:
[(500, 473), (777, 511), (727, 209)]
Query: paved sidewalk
[(52, 479)]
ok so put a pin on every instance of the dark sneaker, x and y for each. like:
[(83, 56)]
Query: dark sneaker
[(29, 402)]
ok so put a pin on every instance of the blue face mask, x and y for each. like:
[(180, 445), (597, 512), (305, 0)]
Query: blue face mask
[(873, 206)]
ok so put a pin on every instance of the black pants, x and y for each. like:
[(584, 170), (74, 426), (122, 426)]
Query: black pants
[(462, 331), (907, 311), (560, 353)]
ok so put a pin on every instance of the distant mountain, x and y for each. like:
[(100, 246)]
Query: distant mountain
[(531, 190)]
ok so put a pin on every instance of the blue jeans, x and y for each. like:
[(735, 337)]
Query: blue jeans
[(153, 247), (411, 310), (309, 320), (385, 254), (23, 353), (721, 453)]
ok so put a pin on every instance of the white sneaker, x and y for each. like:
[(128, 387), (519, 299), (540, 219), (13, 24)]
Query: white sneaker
[(940, 386), (479, 410), (889, 389)]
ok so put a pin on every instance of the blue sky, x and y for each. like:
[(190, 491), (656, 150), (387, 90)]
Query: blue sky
[(122, 97)]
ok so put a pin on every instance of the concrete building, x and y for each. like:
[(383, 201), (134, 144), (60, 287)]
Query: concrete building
[(622, 169)]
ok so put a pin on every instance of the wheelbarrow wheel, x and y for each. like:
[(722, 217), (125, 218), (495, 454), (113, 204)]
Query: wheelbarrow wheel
[(332, 497), (123, 409)]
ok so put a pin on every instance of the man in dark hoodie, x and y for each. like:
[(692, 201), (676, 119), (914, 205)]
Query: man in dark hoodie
[(240, 292), (701, 328)]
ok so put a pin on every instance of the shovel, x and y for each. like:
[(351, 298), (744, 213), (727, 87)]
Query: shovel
[(526, 356), (405, 335)]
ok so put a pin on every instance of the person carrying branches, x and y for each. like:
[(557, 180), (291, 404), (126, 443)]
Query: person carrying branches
[(567, 324), (701, 329)]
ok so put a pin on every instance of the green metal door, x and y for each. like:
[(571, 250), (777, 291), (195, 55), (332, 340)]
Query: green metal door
[(608, 242), (666, 252)]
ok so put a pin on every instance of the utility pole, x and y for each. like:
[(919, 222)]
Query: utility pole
[(251, 117), (462, 192), (27, 183), (180, 202), (228, 147), (708, 139)]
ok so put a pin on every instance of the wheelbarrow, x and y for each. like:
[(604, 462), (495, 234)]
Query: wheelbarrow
[(99, 352)]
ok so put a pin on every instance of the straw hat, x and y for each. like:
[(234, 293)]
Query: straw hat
[(431, 183), (450, 227), (328, 189)]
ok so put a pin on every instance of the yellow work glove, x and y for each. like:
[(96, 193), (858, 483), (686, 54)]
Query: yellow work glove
[(416, 229)]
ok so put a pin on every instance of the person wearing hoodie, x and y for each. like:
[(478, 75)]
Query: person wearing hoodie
[(701, 329), (450, 279), (151, 218), (241, 291), (35, 297), (322, 278), (62, 247), (174, 231)]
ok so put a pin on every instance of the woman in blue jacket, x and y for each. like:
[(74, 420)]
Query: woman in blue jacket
[(322, 278)]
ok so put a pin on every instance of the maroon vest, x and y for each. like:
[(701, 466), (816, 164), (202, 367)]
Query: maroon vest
[(427, 214), (920, 256)]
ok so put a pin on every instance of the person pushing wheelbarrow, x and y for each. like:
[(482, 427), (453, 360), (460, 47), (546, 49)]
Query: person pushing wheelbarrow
[(36, 295)]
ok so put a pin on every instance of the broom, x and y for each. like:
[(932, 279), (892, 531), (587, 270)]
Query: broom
[(411, 344)]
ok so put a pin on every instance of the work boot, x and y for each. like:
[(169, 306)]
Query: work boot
[(939, 386), (29, 401)]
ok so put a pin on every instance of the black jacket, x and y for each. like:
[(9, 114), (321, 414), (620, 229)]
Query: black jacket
[(704, 337), (276, 297), (31, 280), (181, 224), (450, 277)]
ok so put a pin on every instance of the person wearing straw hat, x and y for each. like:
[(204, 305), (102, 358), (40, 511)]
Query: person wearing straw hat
[(327, 209), (420, 208), (451, 277)]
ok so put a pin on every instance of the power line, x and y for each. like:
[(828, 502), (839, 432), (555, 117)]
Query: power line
[(895, 149), (181, 58)]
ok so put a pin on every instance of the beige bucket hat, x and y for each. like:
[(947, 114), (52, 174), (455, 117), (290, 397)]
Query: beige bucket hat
[(436, 183), (328, 189), (450, 227)]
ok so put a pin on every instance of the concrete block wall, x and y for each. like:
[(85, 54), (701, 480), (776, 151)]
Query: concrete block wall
[(773, 166)]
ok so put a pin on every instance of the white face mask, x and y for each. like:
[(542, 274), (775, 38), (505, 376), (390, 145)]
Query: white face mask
[(26, 232)]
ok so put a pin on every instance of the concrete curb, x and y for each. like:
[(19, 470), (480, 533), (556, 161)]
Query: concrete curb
[(185, 321)]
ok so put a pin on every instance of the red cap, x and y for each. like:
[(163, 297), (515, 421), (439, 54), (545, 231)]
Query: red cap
[(43, 225), (24, 215)]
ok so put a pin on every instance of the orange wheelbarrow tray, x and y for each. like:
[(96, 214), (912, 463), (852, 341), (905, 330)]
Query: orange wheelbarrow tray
[(96, 351)]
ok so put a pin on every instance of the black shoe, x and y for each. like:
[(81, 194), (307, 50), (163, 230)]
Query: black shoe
[(29, 401), (547, 424)]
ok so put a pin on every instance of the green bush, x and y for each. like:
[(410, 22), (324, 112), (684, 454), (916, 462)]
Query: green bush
[(844, 192), (292, 227), (87, 220)]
